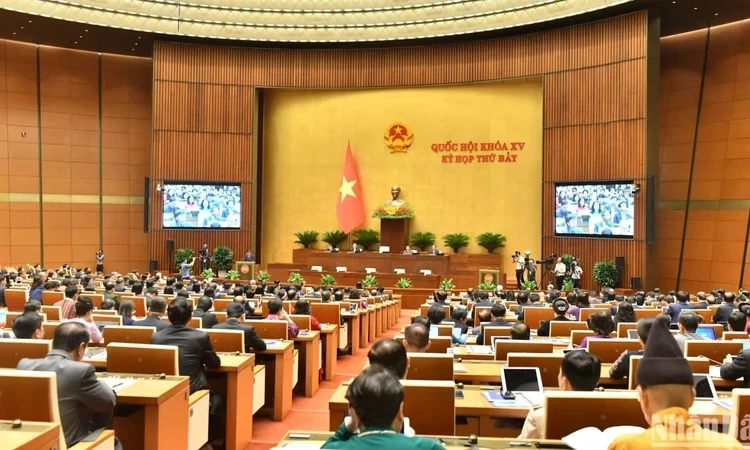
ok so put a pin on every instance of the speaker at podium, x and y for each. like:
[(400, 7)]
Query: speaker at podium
[(246, 269)]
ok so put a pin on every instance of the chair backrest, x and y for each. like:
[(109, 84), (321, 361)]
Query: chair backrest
[(227, 340), (734, 335), (707, 314), (14, 350), (302, 321), (475, 313), (107, 312), (608, 350), (423, 309), (740, 410), (562, 328), (28, 395), (591, 409), (430, 366), (52, 297), (716, 350), (585, 313), (534, 314), (270, 329), (195, 322), (140, 305), (96, 299), (10, 316), (327, 312), (548, 364), (128, 334), (142, 358), (698, 364), (444, 330), (488, 332), (50, 327), (220, 304), (439, 344), (52, 312), (221, 317), (503, 347), (647, 312), (15, 299), (107, 319), (623, 327), (439, 418), (576, 336)]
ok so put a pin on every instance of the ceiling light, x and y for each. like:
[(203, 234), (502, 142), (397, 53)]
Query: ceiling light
[(22, 28), (716, 14), (86, 31), (75, 42), (136, 43), (80, 37), (695, 9), (29, 21)]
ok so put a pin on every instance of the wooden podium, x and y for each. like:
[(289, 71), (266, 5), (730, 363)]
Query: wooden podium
[(395, 234), (246, 269)]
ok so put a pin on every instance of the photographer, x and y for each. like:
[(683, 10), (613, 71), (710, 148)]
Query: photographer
[(575, 274), (530, 266), (519, 262)]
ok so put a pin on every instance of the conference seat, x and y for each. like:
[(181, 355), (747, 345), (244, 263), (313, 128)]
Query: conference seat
[(734, 335), (227, 340), (221, 304), (740, 411), (302, 321), (564, 328), (14, 350), (698, 364), (488, 332), (476, 310), (585, 313), (647, 312), (623, 327), (142, 358), (128, 334), (706, 314), (608, 350), (15, 299), (270, 329), (548, 364), (534, 316), (576, 336), (96, 299), (10, 316), (714, 350), (52, 312), (52, 297), (31, 396), (49, 328), (430, 366), (590, 409), (107, 319), (430, 406), (503, 348), (440, 344)]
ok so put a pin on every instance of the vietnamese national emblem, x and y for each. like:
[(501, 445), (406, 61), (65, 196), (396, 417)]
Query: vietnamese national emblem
[(398, 137)]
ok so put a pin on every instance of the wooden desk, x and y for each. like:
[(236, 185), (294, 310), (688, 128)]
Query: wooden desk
[(161, 420), (279, 361), (475, 415), (364, 329), (449, 442), (329, 334), (308, 345), (353, 321), (237, 385), (31, 435), (352, 277), (384, 263)]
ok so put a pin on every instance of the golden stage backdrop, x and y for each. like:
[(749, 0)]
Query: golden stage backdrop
[(474, 163)]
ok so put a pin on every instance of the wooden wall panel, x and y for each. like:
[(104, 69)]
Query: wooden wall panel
[(595, 96)]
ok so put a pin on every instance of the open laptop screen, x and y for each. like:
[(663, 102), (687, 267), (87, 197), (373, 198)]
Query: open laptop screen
[(522, 379), (704, 387), (706, 333)]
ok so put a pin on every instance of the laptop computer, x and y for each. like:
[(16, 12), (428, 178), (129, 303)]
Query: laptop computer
[(353, 307), (434, 331), (521, 379), (633, 334), (706, 333), (704, 387), (457, 333)]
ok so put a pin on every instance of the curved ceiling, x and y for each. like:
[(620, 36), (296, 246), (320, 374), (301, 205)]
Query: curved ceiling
[(310, 20)]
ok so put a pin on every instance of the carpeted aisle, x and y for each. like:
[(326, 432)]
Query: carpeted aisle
[(312, 413)]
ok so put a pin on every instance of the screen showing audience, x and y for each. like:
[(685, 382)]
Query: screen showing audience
[(601, 210), (201, 206)]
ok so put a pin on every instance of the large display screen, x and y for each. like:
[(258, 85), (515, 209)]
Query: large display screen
[(595, 209), (201, 205)]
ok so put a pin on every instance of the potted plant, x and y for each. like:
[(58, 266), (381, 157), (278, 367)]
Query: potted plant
[(606, 273), (182, 254), (306, 238), (370, 281), (403, 283), (529, 285), (567, 285), (208, 273), (334, 238), (422, 240), (296, 278), (327, 280), (447, 285), (456, 241), (366, 238), (223, 260), (491, 241), (263, 276), (487, 286), (233, 275)]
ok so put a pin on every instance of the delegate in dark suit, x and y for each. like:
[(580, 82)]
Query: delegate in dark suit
[(252, 340), (494, 323), (723, 312), (195, 351), (545, 326), (739, 368), (152, 321), (79, 393), (208, 320)]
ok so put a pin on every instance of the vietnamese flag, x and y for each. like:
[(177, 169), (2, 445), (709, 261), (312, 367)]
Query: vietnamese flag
[(350, 207)]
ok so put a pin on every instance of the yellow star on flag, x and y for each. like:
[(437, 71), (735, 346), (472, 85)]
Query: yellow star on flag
[(346, 188)]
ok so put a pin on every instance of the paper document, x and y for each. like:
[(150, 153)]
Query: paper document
[(593, 439), (117, 384), (714, 371), (459, 368), (96, 354), (481, 349)]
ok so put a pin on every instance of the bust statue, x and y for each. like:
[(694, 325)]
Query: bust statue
[(395, 192)]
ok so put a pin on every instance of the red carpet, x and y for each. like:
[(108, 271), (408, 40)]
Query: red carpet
[(311, 414)]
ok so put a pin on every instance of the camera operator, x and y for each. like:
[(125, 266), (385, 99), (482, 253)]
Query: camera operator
[(530, 266), (518, 261), (560, 270)]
